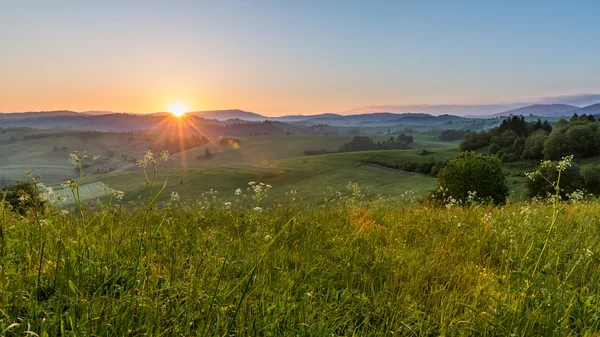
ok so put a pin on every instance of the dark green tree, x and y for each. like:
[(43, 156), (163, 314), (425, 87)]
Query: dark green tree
[(534, 145)]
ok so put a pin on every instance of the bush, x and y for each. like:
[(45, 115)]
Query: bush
[(540, 184), (471, 172), (591, 179), (22, 196)]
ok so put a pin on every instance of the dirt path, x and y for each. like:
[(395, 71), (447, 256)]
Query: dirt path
[(387, 170)]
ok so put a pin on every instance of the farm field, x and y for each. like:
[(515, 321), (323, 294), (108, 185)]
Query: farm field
[(314, 178), (63, 197), (47, 152)]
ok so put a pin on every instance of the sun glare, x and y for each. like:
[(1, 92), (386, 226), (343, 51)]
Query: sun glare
[(177, 109)]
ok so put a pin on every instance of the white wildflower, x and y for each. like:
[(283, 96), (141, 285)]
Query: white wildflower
[(118, 195), (174, 196), (258, 209), (238, 191)]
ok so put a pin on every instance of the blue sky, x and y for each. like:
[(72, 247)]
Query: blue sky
[(280, 57)]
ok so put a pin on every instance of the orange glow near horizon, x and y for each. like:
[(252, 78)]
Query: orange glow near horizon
[(178, 109)]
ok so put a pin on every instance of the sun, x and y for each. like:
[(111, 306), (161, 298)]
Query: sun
[(178, 109)]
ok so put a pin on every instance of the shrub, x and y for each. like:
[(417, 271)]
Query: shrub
[(541, 183), (591, 179), (471, 172), (22, 196)]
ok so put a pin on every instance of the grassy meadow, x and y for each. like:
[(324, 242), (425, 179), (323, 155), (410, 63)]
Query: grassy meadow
[(327, 246), (347, 267)]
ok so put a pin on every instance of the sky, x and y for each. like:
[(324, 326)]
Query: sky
[(292, 57)]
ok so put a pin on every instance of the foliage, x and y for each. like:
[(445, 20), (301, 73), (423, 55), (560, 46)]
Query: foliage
[(554, 179), (207, 154), (364, 143), (534, 145), (430, 167), (214, 267), (472, 173), (475, 140), (591, 179), (23, 196), (452, 134)]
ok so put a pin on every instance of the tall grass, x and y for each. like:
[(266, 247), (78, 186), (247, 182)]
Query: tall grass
[(390, 267), (343, 269)]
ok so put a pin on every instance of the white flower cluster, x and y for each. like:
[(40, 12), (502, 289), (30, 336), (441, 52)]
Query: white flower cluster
[(77, 158), (258, 188), (118, 195), (174, 196), (149, 158)]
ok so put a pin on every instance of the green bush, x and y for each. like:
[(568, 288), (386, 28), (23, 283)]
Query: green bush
[(22, 196), (540, 184), (591, 179), (472, 172)]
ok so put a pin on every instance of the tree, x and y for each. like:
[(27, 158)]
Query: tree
[(534, 145), (472, 172), (556, 145), (580, 141), (475, 140), (207, 154)]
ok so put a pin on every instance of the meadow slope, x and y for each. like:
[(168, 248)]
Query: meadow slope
[(347, 267)]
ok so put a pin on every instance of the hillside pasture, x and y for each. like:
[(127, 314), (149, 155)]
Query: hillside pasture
[(87, 192)]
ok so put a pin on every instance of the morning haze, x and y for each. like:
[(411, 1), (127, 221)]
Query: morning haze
[(314, 168)]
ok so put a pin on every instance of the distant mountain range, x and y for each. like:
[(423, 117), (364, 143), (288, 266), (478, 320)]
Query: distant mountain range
[(547, 110), (542, 110)]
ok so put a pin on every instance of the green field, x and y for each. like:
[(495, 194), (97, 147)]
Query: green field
[(314, 178), (352, 267), (47, 152), (337, 247), (64, 197)]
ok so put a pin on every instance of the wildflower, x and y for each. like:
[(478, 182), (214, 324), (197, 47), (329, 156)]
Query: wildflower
[(64, 212), (23, 197), (238, 191), (74, 158), (148, 159), (118, 195), (49, 190), (258, 209), (251, 183), (228, 204), (164, 155), (267, 237), (71, 183), (174, 196)]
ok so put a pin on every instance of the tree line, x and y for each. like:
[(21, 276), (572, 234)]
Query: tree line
[(516, 139)]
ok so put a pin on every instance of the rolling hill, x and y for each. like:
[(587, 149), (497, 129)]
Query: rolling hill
[(546, 110)]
